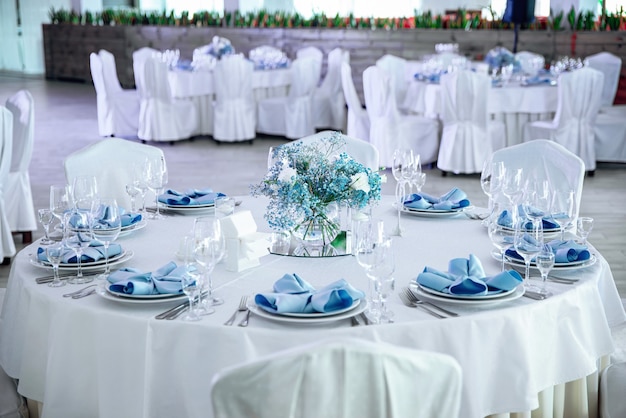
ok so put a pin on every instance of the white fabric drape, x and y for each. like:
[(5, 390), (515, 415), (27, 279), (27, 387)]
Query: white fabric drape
[(329, 104), (7, 246), (318, 59), (611, 66), (358, 119), (140, 57), (530, 62), (395, 68)]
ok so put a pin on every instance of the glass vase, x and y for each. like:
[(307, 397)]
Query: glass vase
[(315, 233)]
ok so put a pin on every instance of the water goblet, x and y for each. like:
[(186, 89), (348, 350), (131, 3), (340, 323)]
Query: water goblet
[(402, 171), (133, 191), (528, 243), (78, 236), (54, 254), (156, 178), (368, 232), (381, 271), (139, 181), (512, 186), (45, 218), (106, 227), (59, 201), (584, 225), (564, 209), (190, 283), (500, 236), (84, 191), (210, 248), (544, 261), (537, 199), (491, 179)]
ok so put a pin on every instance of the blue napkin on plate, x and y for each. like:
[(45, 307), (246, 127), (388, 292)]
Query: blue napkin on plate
[(429, 78), (94, 252), (537, 80), (189, 197), (131, 281), (565, 251), (292, 294), (466, 277), (129, 219), (454, 199), (506, 219)]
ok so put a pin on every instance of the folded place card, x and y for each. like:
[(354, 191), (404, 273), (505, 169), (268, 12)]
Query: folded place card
[(95, 252), (165, 280), (190, 197), (454, 199), (244, 245)]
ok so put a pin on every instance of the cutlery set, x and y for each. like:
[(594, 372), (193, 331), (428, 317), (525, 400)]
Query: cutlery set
[(243, 306), (81, 293), (409, 299)]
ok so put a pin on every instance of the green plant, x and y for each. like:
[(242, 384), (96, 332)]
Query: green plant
[(555, 20)]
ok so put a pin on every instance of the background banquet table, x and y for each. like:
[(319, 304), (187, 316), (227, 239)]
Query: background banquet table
[(98, 357)]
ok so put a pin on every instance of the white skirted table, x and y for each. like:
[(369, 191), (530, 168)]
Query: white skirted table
[(106, 358)]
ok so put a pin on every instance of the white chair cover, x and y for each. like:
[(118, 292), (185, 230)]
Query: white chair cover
[(235, 108), (342, 378), (545, 159), (611, 66), (118, 109), (612, 390), (395, 68), (7, 246), (358, 119), (112, 161), (469, 136), (291, 116), (610, 132), (163, 118), (20, 210), (329, 104), (139, 61), (318, 57), (574, 122), (389, 129), (530, 62)]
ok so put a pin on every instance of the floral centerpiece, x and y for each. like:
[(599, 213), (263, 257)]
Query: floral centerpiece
[(499, 57), (308, 180)]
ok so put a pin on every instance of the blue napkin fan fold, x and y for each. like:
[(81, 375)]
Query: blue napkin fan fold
[(189, 197), (165, 280), (565, 251), (453, 199), (94, 252)]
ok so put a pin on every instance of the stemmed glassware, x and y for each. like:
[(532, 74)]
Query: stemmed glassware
[(78, 236), (584, 225), (501, 237), (528, 243), (537, 199), (209, 250), (45, 218), (544, 261), (54, 254), (491, 180), (512, 185), (133, 191), (139, 181), (563, 209), (106, 227), (84, 192), (59, 202), (402, 171), (156, 179)]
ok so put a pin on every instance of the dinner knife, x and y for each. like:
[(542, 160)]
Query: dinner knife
[(171, 311)]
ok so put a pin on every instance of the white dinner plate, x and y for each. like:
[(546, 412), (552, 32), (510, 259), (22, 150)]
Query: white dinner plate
[(557, 266), (127, 230), (432, 213), (190, 209), (352, 311), (467, 297), (516, 294), (146, 297), (318, 314), (118, 298), (94, 265)]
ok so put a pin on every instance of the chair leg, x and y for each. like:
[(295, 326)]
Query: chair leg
[(27, 237), (591, 173), (6, 261), (444, 173)]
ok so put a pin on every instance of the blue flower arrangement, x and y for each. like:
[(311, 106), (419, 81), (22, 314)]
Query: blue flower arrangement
[(307, 178), (220, 47), (499, 57)]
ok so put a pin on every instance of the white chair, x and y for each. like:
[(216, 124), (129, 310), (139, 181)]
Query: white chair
[(545, 159), (291, 116), (395, 68), (341, 378), (317, 55), (7, 246), (113, 162), (530, 62), (389, 128), (469, 136), (612, 390), (140, 57), (162, 117), (611, 66), (610, 136), (574, 122), (358, 119), (329, 104), (235, 108), (19, 207)]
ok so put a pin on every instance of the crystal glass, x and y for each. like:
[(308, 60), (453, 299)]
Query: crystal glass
[(106, 227), (190, 282), (537, 199), (584, 225), (368, 233), (156, 178), (224, 206), (528, 243), (54, 253), (512, 185), (133, 191), (59, 201), (381, 271), (139, 181), (491, 181), (45, 218), (84, 191), (402, 171), (544, 261), (501, 237), (78, 236), (564, 209), (210, 248)]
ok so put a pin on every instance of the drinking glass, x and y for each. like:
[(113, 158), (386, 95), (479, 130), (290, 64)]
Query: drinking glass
[(139, 181), (512, 185), (528, 243), (501, 237), (54, 253), (224, 206), (84, 191), (156, 179), (59, 201), (368, 232), (401, 169), (584, 226), (537, 199), (133, 191), (78, 237), (106, 226), (45, 218), (210, 248), (491, 179), (544, 261), (191, 287), (563, 209), (381, 271)]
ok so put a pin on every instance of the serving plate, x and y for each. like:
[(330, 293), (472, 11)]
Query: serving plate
[(354, 305), (573, 265), (117, 297), (432, 213), (127, 230), (146, 297), (335, 316)]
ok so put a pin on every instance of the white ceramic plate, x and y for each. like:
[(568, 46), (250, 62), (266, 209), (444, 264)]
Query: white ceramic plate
[(187, 209), (360, 307), (557, 266), (518, 293), (431, 213), (94, 265), (319, 314), (478, 297), (117, 298), (127, 230), (145, 297)]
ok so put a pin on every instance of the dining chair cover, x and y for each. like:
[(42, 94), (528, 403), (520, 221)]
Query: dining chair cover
[(469, 136), (611, 66), (612, 390), (235, 107), (20, 209), (329, 104), (610, 133), (118, 109), (579, 98), (543, 159), (139, 62), (389, 129), (163, 118), (358, 119), (530, 62), (7, 246), (291, 116), (113, 163), (318, 58), (341, 378), (395, 67)]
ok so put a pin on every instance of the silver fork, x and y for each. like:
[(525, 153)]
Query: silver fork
[(78, 292), (405, 299), (242, 307), (419, 301)]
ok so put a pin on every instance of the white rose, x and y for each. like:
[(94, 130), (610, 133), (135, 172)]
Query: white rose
[(359, 181), (287, 173)]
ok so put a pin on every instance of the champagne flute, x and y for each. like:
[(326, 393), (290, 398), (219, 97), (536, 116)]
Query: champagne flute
[(78, 237), (402, 161), (106, 226), (45, 218), (563, 209), (156, 179), (544, 261), (528, 243), (54, 253), (210, 248)]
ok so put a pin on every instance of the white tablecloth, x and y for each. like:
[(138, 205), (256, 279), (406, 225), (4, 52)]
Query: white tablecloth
[(96, 357)]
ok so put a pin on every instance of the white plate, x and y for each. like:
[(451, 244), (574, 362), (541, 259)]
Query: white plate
[(157, 296), (518, 293), (318, 314), (187, 209), (360, 307), (127, 230), (431, 213), (94, 265), (557, 266), (477, 297), (116, 298)]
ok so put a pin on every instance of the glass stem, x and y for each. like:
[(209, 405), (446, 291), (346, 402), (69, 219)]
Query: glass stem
[(156, 203), (79, 256), (106, 259), (527, 275), (502, 252)]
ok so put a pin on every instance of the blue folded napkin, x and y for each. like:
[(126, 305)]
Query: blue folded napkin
[(184, 65), (165, 280), (506, 219), (537, 80), (454, 199), (189, 197), (429, 78), (129, 219), (565, 251), (292, 294), (466, 277), (94, 252)]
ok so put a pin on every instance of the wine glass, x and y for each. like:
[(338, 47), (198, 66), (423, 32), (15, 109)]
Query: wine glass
[(584, 225), (106, 227), (528, 243), (512, 185), (156, 179), (78, 237), (190, 282), (501, 237), (45, 218), (563, 209), (209, 249), (491, 179), (369, 232), (544, 261), (84, 191), (537, 199), (401, 169), (381, 271), (139, 182), (54, 253), (133, 191), (60, 203)]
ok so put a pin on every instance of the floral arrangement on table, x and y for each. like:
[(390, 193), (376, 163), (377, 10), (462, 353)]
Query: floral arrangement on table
[(499, 57), (307, 179), (219, 47)]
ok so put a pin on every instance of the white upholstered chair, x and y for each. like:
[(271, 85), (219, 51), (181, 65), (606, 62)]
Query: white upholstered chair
[(579, 98), (162, 117), (358, 119), (612, 390), (329, 104), (389, 129), (341, 378), (19, 207), (234, 117), (395, 68), (611, 66), (7, 246), (291, 116), (113, 162), (140, 57), (318, 59), (469, 136)]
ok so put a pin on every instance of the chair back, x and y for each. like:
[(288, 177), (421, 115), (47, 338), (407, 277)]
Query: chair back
[(344, 377), (21, 105), (304, 78), (611, 66), (464, 99), (332, 81), (395, 67), (358, 120), (112, 161), (7, 246), (612, 389), (109, 72), (318, 58), (139, 61), (97, 75), (233, 78), (156, 83)]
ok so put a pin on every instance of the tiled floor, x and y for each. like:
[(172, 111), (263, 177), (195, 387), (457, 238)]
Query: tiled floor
[(65, 115)]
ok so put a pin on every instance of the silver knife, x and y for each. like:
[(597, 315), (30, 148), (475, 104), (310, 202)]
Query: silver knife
[(164, 315)]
